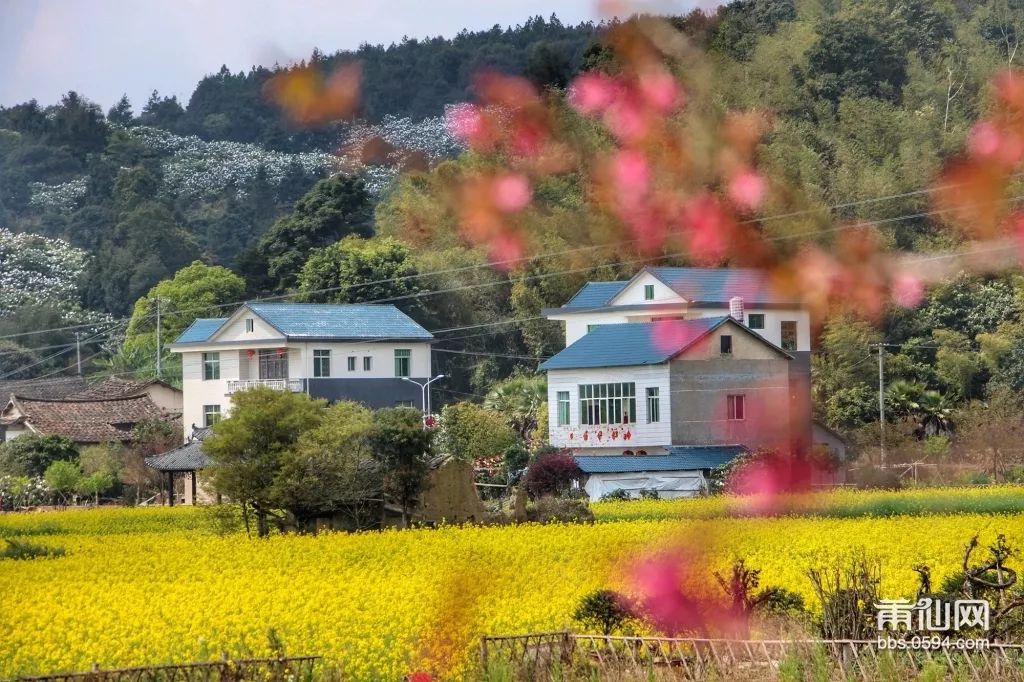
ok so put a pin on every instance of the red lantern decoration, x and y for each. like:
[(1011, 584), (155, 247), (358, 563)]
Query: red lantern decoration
[(281, 352), (615, 434), (600, 435), (627, 435), (586, 435), (250, 352), (572, 436)]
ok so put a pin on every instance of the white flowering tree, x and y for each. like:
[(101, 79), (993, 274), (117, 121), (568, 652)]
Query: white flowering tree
[(37, 270)]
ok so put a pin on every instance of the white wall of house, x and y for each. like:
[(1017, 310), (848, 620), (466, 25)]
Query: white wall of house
[(642, 434), (236, 364), (633, 293), (235, 329)]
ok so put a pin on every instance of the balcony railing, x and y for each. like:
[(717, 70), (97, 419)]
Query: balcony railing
[(294, 385)]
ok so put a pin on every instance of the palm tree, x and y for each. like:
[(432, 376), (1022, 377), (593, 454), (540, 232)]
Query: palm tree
[(934, 415), (520, 399)]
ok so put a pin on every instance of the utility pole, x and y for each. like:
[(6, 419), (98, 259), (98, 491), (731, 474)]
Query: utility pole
[(158, 338), (78, 352), (881, 398)]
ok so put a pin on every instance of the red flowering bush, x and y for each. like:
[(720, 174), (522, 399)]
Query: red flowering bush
[(551, 474)]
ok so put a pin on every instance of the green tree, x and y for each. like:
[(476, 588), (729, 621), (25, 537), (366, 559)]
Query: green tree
[(519, 399), (195, 291), (17, 362), (330, 469), (469, 431), (247, 448), (403, 448), (334, 208), (32, 453), (121, 113), (95, 484), (63, 477), (357, 270)]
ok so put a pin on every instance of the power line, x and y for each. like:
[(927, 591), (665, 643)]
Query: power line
[(578, 249)]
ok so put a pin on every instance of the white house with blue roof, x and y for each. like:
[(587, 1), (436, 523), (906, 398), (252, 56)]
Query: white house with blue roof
[(355, 352), (645, 403)]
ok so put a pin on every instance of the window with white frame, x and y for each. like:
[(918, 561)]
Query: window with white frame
[(648, 292), (248, 324), (367, 363), (563, 408), (211, 366), (755, 320), (351, 363), (211, 414), (607, 403), (653, 405), (735, 407), (321, 363), (787, 329), (402, 357)]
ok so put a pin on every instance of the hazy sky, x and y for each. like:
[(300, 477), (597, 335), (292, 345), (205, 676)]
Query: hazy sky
[(103, 48)]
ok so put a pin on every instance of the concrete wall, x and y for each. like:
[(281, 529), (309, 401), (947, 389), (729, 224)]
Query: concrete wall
[(702, 379), (642, 434)]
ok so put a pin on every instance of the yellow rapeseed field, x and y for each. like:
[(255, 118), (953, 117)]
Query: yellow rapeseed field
[(150, 586)]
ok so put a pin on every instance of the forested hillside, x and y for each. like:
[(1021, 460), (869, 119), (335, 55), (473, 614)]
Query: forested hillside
[(867, 101)]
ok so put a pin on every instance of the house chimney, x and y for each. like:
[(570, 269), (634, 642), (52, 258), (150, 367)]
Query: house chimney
[(736, 309)]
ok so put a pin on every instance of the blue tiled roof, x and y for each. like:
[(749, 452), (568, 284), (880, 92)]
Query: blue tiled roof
[(718, 285), (350, 321), (680, 458), (595, 294), (629, 344), (201, 330), (697, 285)]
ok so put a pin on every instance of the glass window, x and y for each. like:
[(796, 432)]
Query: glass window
[(755, 320), (736, 407), (211, 366), (321, 363), (648, 292), (725, 344), (653, 405), (788, 335), (248, 324), (367, 363), (402, 362), (211, 414), (563, 408), (592, 327), (607, 403), (351, 363), (273, 363)]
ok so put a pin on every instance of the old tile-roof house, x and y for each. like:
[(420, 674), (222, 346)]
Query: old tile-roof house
[(51, 388), (90, 413), (84, 421), (675, 369)]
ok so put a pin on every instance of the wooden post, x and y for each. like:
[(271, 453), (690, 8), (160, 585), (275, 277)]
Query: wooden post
[(170, 488), (194, 473), (483, 654)]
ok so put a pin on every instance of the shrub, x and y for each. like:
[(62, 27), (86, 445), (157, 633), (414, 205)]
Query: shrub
[(554, 510), (649, 494), (872, 478), (603, 610), (20, 549), (551, 474), (31, 453), (617, 494)]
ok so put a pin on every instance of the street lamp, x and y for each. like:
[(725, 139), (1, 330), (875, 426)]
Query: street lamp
[(425, 397)]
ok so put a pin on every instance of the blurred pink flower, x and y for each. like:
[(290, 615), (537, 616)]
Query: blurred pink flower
[(632, 174), (646, 225), (592, 92), (907, 290), (625, 120), (465, 122), (512, 192), (661, 91), (746, 189), (659, 584), (670, 335), (706, 224), (984, 139), (505, 249)]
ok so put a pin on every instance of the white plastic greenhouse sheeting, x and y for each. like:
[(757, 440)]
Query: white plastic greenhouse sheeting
[(669, 484)]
